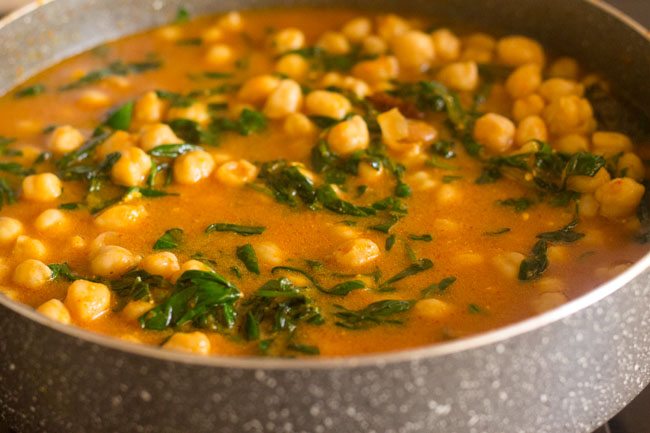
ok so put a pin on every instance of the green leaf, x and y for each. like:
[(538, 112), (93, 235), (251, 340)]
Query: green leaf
[(251, 327), (425, 237), (566, 234), (191, 132), (377, 313), (170, 240), (120, 119), (390, 242), (438, 288), (246, 253), (235, 228), (340, 289), (27, 92), (420, 265), (517, 204), (114, 69), (498, 232), (303, 348), (249, 122), (15, 168), (343, 289), (173, 150), (7, 195), (137, 285), (533, 266), (182, 16), (331, 201), (62, 270)]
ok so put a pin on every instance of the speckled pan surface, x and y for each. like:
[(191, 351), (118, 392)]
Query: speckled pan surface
[(563, 372)]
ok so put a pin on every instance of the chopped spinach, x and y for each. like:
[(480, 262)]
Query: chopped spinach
[(30, 91), (120, 119), (437, 288), (246, 253), (170, 240), (118, 68), (235, 228), (377, 313)]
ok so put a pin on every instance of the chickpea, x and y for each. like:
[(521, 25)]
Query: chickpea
[(42, 187), (55, 310), (164, 263), (519, 50), (29, 248), (524, 80), (284, 100), (213, 34), (10, 229), (328, 104), (349, 136), (432, 309), (112, 261), (377, 71), (157, 134), (220, 56), (136, 309), (564, 67), (194, 342), (480, 40), (447, 45), (630, 165), (495, 132), (269, 253), (555, 88), (569, 114), (287, 40), (117, 142), (531, 105), (148, 108), (610, 143), (619, 198), (508, 264), (93, 98), (231, 22), (50, 220), (422, 181), (197, 112), (65, 139), (447, 195), (422, 132), (132, 168), (369, 174), (468, 259), (293, 66), (548, 301), (373, 46), (191, 265), (357, 29), (87, 301), (298, 125), (588, 184), (588, 206), (32, 274), (334, 43), (391, 25), (170, 33), (461, 76), (120, 217), (531, 128), (255, 90), (394, 130), (192, 167), (236, 173), (413, 50), (356, 253), (477, 55), (572, 143)]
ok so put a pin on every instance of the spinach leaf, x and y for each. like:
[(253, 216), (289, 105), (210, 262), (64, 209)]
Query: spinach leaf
[(331, 201), (182, 16), (425, 237), (62, 270), (532, 267), (7, 195), (249, 122), (246, 253), (438, 288), (304, 348), (390, 242), (120, 119), (173, 150), (234, 228), (191, 132), (15, 168), (377, 313), (566, 234), (340, 289), (169, 240), (498, 232), (420, 265), (517, 204), (118, 68), (137, 285), (27, 92)]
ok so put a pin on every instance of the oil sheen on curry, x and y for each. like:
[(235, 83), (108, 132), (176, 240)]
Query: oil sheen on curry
[(299, 183)]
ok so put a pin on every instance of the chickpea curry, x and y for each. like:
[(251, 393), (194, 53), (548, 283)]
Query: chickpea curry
[(314, 182)]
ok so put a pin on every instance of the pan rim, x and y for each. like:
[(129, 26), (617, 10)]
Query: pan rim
[(379, 359)]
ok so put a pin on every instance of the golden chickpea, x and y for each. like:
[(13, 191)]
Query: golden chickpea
[(42, 187), (572, 143), (480, 40), (255, 90), (87, 301), (50, 221), (269, 253), (369, 174), (422, 181), (377, 71), (349, 136), (447, 45), (213, 34), (531, 128), (630, 165), (236, 173), (192, 167), (334, 43), (117, 142), (65, 139), (588, 206), (10, 229), (136, 309), (132, 168), (357, 29), (112, 261), (191, 265), (447, 195), (284, 100), (231, 22), (164, 263), (356, 253), (619, 198), (432, 309), (508, 264), (194, 342), (298, 125), (524, 80), (197, 112), (93, 99), (373, 45), (519, 50), (391, 25), (287, 40), (548, 301), (394, 130), (421, 132), (32, 274), (555, 88), (220, 56), (157, 134), (293, 66), (55, 310), (121, 217), (588, 184), (495, 132), (461, 76), (29, 248), (569, 114), (477, 55), (328, 104), (564, 67), (610, 143), (148, 108), (413, 50), (531, 105)]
